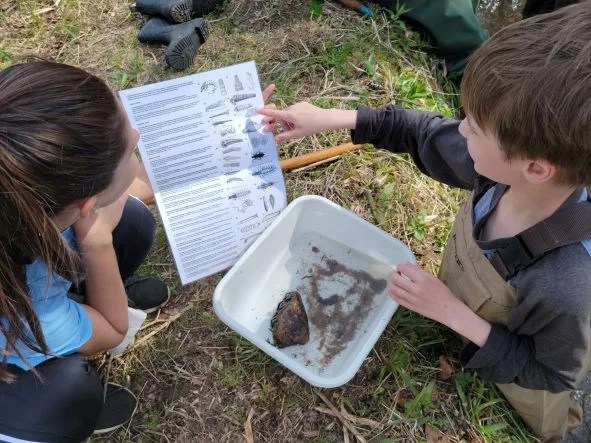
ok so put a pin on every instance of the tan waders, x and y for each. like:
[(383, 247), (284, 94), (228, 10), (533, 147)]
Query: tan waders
[(470, 275)]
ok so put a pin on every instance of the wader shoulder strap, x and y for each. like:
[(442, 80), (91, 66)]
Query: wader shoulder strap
[(569, 224)]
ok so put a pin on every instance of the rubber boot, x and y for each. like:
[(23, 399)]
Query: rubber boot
[(183, 40), (176, 11)]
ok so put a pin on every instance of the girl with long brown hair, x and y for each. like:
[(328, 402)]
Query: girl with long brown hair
[(67, 225)]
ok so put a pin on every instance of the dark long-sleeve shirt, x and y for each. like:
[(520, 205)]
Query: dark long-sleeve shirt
[(545, 342)]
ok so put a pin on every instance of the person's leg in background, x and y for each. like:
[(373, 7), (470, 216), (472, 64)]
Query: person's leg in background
[(451, 27)]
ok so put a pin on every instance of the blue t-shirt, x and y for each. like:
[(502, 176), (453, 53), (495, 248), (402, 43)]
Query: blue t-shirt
[(66, 325)]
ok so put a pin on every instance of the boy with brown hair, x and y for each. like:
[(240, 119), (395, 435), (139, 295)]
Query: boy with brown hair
[(515, 278)]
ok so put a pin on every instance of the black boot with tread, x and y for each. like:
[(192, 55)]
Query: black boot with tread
[(176, 11), (183, 40)]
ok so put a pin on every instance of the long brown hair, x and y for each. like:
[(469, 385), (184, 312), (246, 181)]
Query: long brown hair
[(61, 138)]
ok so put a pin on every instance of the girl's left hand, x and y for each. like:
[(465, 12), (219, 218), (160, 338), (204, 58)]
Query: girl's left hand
[(423, 293)]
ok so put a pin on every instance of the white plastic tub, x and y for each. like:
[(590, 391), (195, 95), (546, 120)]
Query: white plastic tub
[(339, 263)]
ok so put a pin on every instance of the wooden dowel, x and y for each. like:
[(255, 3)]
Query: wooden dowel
[(313, 157)]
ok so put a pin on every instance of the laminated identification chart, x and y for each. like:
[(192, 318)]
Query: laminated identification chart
[(216, 176)]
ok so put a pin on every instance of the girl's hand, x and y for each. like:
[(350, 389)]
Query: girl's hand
[(299, 120), (423, 293), (96, 229)]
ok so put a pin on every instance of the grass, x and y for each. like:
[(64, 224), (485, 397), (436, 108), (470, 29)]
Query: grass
[(195, 379)]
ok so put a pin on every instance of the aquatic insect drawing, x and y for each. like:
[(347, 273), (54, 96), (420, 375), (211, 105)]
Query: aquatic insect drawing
[(247, 203), (231, 149), (257, 140), (215, 105), (242, 107), (209, 86), (227, 130), (265, 204), (237, 83), (230, 141), (264, 170), (239, 194), (221, 122), (265, 185), (258, 155), (240, 97), (220, 114), (272, 201), (248, 228), (222, 87), (247, 219)]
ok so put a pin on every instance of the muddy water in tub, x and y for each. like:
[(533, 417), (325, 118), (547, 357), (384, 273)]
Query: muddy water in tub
[(339, 295)]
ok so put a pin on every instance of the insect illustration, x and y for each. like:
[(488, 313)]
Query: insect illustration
[(248, 228), (231, 149), (222, 87), (239, 194), (265, 204), (265, 170), (247, 219), (240, 97), (265, 185), (230, 141), (220, 114), (242, 107), (237, 84), (215, 105), (209, 86), (258, 155), (227, 130), (221, 122), (257, 140), (272, 201)]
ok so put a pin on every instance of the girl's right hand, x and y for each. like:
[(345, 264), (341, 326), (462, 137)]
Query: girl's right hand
[(297, 120), (96, 229)]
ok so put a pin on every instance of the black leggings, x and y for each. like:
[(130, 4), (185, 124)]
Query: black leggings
[(65, 405)]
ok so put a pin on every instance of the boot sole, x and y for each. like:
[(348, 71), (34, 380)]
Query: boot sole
[(181, 53), (181, 11)]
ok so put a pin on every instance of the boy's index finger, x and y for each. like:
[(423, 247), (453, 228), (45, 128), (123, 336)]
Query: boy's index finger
[(270, 112)]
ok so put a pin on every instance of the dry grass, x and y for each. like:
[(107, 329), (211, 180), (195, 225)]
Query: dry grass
[(195, 379)]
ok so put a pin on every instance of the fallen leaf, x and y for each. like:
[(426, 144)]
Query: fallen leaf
[(445, 369), (401, 397), (432, 435), (249, 437)]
